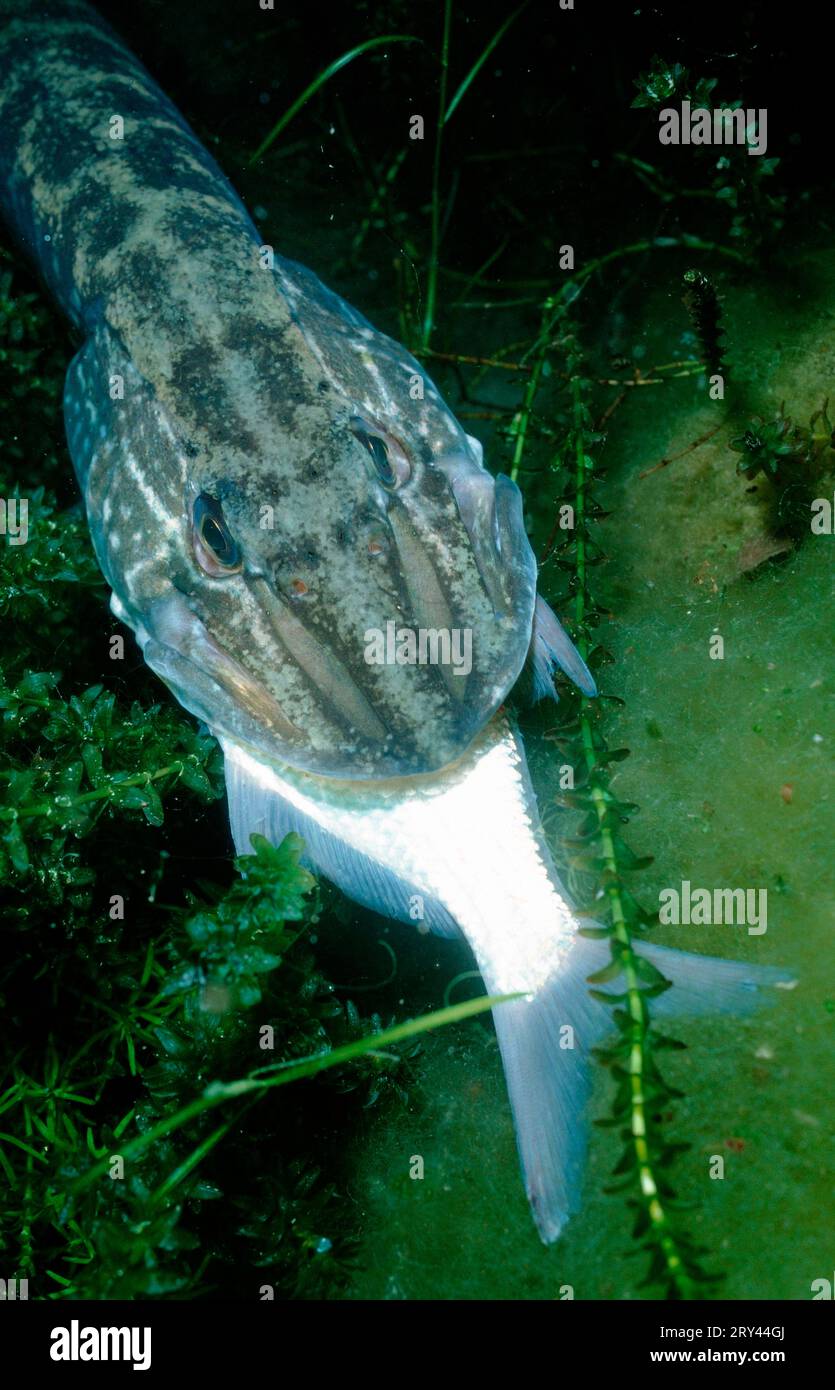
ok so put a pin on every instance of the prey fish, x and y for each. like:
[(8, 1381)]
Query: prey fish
[(270, 484)]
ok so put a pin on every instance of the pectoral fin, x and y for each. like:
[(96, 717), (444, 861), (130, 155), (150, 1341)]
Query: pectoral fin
[(551, 646)]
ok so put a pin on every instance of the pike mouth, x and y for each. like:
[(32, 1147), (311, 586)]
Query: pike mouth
[(240, 710), (343, 722), (208, 681), (492, 512)]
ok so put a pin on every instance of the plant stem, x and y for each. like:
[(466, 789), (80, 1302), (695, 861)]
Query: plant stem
[(110, 788), (285, 1072), (382, 40), (432, 273), (659, 1225), (557, 305)]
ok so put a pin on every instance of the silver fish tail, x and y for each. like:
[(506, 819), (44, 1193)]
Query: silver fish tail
[(464, 850)]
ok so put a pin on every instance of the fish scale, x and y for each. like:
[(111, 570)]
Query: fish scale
[(220, 387)]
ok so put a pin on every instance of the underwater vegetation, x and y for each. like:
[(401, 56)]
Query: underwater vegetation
[(139, 960), (126, 1001)]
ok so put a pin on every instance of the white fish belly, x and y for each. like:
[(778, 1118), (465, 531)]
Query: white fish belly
[(469, 837)]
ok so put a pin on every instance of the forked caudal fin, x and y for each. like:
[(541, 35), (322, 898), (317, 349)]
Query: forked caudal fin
[(546, 1043)]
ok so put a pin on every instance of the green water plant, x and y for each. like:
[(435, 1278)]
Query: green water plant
[(743, 191), (640, 1087), (789, 459), (664, 82), (138, 1037), (445, 112), (380, 41), (703, 305), (139, 1193), (601, 862)]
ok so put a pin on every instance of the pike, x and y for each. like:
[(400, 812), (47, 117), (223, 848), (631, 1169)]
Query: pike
[(266, 478)]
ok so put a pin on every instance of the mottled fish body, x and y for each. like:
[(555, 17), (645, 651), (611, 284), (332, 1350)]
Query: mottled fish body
[(268, 480), (206, 374)]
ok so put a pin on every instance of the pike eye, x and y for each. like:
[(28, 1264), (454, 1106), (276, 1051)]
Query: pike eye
[(380, 454), (214, 546), (390, 462)]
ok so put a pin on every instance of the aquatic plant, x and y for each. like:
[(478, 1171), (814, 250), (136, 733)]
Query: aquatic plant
[(601, 860), (381, 41), (705, 310), (736, 185), (791, 459)]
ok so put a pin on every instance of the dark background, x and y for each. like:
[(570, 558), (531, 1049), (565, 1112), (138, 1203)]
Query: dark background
[(553, 101)]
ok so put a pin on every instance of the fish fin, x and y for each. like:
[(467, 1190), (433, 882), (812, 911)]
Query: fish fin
[(551, 646), (547, 1066), (476, 449), (549, 1081), (258, 809), (709, 984), (541, 671)]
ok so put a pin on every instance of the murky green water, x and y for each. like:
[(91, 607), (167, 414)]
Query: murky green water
[(731, 766)]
